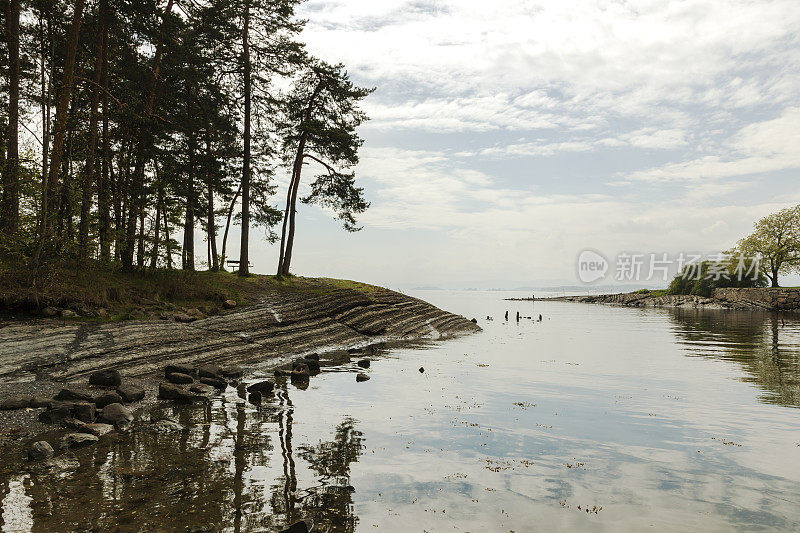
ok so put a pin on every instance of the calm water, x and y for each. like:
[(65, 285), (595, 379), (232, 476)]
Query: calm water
[(650, 419)]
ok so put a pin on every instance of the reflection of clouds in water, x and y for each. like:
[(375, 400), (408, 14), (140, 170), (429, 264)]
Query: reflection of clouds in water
[(17, 513)]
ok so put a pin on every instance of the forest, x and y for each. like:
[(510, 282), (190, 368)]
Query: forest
[(128, 125)]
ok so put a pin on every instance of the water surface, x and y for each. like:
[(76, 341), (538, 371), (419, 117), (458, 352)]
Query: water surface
[(596, 418)]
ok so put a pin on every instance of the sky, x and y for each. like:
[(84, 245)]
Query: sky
[(508, 136)]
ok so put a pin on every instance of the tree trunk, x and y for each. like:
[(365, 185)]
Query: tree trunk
[(188, 227), (140, 243), (142, 147), (104, 226), (213, 258), (228, 225), (244, 249), (62, 112), (45, 96), (90, 172), (159, 208), (167, 237), (9, 210)]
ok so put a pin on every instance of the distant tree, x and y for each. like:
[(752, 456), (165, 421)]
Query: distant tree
[(321, 115), (776, 242), (733, 271)]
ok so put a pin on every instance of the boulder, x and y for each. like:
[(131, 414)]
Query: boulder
[(361, 377), (219, 384), (232, 372), (229, 304), (97, 429), (180, 379), (203, 389), (40, 450), (355, 350), (364, 363), (56, 412), (84, 411), (170, 391), (300, 368), (14, 403), (183, 318), (254, 398), (49, 312), (78, 440), (165, 425), (72, 423), (311, 357), (312, 365), (105, 378), (107, 398), (67, 313), (261, 387), (39, 401), (117, 415), (69, 395), (209, 372), (130, 393), (180, 369)]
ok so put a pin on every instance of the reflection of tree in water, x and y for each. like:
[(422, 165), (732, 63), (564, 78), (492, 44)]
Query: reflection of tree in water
[(329, 504), (765, 345)]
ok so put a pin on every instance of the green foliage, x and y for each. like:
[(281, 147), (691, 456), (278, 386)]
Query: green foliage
[(703, 278), (776, 241)]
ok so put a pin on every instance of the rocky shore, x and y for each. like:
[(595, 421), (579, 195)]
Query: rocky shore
[(773, 299)]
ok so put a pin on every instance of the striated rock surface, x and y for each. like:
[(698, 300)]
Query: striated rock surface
[(282, 323), (770, 299)]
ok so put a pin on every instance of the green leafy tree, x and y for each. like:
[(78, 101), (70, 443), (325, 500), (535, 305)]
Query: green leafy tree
[(776, 242)]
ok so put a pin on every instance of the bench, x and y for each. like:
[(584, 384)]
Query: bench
[(231, 262)]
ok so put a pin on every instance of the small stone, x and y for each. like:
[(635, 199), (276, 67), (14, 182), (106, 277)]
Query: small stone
[(69, 395), (107, 398), (203, 389), (67, 313), (17, 402), (38, 402), (311, 357), (229, 304), (130, 393), (261, 387), (78, 440), (97, 429), (170, 391), (105, 378), (183, 318), (421, 370), (364, 363), (72, 423), (40, 450), (232, 372), (49, 312), (56, 412), (62, 463), (117, 414), (180, 379), (313, 366), (300, 369), (361, 377), (219, 384)]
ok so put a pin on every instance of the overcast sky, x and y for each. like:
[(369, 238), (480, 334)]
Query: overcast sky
[(507, 136)]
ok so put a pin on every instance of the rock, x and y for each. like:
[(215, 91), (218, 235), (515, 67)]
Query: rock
[(49, 312), (421, 370), (300, 369), (219, 384), (62, 463), (117, 414), (361, 377), (107, 398), (165, 425), (78, 440), (105, 378), (364, 363), (40, 450), (102, 313), (355, 350), (261, 387), (229, 304), (311, 357), (183, 318), (69, 395), (298, 527), (195, 313), (232, 372), (170, 391), (97, 429), (180, 369), (313, 366), (209, 372), (84, 411), (38, 402), (202, 388), (67, 313), (72, 423), (280, 372), (56, 412), (474, 320), (14, 403), (180, 379), (130, 393), (254, 398)]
